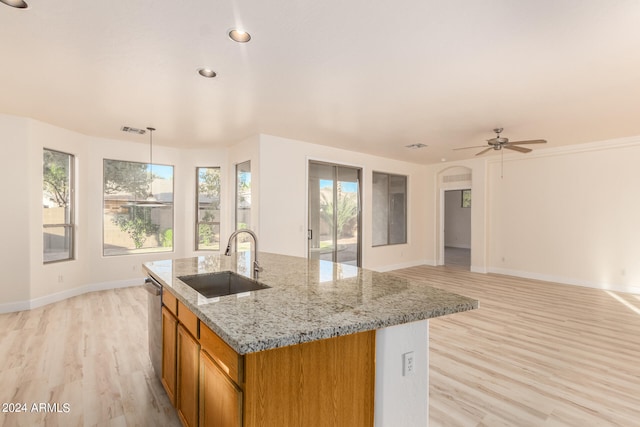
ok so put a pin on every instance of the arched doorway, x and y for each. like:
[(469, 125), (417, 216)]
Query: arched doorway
[(454, 217)]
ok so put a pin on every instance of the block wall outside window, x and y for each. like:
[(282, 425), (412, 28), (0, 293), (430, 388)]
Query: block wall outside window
[(137, 208)]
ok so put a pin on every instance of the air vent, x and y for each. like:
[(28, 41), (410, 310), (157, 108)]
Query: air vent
[(415, 146), (133, 130)]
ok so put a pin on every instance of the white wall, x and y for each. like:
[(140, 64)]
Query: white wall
[(62, 276), (283, 200), (246, 150), (14, 249), (29, 282), (191, 159), (127, 267), (569, 215), (457, 221)]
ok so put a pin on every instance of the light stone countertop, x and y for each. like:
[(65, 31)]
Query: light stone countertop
[(308, 300)]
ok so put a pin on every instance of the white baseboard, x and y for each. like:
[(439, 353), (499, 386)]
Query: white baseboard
[(475, 269), (386, 268), (11, 307), (566, 280), (59, 296)]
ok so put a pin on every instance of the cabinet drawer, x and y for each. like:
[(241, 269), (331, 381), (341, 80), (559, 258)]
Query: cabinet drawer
[(226, 357), (170, 302), (188, 319)]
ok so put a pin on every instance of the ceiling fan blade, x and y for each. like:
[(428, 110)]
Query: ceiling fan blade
[(475, 146), (531, 141), (484, 151), (516, 148)]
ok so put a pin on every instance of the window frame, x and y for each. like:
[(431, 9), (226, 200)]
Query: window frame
[(72, 202), (197, 200), (405, 239), (242, 242), (238, 194)]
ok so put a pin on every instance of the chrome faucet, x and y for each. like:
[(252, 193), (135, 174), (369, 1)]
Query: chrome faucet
[(256, 265)]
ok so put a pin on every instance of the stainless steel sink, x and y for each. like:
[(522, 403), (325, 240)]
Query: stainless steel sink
[(222, 283)]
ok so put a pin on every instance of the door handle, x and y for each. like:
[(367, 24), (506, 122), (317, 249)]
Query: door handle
[(309, 234), (153, 287)]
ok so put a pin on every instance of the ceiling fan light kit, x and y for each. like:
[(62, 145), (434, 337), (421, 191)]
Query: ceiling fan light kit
[(500, 142)]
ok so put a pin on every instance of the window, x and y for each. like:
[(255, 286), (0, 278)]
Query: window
[(208, 207), (389, 209), (466, 199), (57, 203), (243, 203), (138, 208)]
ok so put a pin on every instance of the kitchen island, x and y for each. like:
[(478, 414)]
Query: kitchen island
[(337, 339)]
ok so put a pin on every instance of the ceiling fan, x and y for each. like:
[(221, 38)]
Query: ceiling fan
[(498, 143)]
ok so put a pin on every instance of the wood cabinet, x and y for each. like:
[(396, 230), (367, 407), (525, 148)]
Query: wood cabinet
[(321, 383), (220, 383), (220, 398), (188, 387), (169, 342)]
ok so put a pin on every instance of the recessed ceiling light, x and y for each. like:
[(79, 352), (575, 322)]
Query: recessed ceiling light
[(207, 72), (18, 4), (239, 36)]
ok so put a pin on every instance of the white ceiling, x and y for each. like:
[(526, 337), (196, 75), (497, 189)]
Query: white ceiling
[(366, 75)]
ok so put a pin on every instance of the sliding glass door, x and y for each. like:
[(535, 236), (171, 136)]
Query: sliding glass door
[(334, 213)]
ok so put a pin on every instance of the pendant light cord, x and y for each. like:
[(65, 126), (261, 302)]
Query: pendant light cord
[(151, 145), (150, 129)]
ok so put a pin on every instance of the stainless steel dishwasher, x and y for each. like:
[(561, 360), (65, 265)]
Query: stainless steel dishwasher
[(154, 290)]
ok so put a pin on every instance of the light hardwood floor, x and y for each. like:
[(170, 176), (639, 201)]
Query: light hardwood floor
[(534, 354), (90, 352)]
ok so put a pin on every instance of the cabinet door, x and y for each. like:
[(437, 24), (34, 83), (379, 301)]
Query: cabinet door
[(169, 330), (188, 377), (220, 398)]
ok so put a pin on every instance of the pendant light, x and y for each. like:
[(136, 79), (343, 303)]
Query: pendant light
[(150, 197)]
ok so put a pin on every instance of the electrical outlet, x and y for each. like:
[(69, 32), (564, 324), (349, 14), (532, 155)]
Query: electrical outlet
[(60, 278), (408, 364)]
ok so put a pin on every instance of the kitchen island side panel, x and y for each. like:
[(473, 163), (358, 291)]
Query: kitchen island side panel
[(402, 393)]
